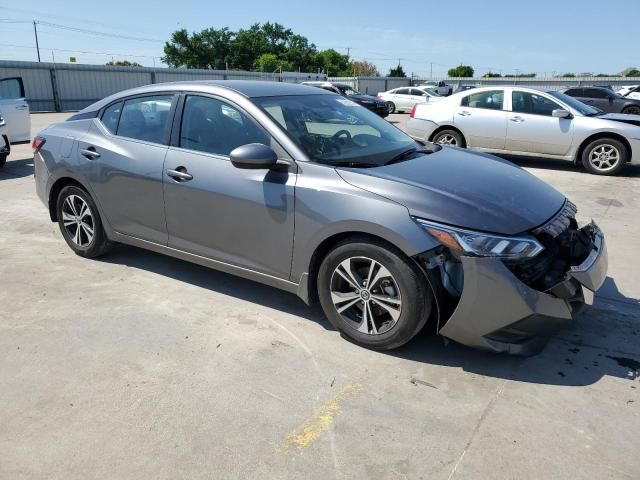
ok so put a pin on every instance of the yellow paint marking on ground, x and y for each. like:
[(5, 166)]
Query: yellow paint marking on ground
[(319, 422)]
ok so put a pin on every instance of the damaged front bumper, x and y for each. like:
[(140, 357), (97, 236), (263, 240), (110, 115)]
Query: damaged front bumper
[(499, 312)]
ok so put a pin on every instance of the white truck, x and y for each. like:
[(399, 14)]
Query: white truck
[(440, 87), (15, 122)]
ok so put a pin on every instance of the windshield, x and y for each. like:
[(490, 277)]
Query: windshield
[(337, 131), (346, 90), (583, 108)]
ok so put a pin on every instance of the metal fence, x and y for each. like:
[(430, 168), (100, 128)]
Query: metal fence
[(62, 87), (373, 85)]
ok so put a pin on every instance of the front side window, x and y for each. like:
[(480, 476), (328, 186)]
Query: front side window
[(418, 92), (335, 130), (527, 102), (492, 100), (110, 117), (212, 126), (145, 118)]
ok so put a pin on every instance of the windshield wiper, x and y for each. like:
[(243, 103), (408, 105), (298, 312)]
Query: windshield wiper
[(353, 164), (402, 156)]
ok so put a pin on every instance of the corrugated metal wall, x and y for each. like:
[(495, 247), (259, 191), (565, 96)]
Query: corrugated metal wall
[(61, 87)]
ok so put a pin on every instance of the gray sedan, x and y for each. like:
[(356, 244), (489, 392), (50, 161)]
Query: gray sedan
[(269, 182), (526, 121)]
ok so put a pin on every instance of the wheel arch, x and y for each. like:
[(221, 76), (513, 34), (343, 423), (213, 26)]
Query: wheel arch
[(448, 127), (55, 190), (616, 136)]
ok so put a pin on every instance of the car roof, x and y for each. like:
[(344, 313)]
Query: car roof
[(246, 88)]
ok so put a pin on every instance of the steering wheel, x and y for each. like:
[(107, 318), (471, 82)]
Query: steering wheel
[(340, 133)]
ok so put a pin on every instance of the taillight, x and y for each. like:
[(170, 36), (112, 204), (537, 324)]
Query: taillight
[(413, 111), (37, 144)]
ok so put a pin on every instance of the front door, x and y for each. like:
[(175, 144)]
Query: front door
[(482, 120), (532, 128), (215, 210), (15, 109)]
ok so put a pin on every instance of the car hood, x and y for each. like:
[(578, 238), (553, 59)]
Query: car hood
[(622, 117), (464, 189)]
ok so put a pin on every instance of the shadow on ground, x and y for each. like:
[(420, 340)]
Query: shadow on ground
[(17, 168), (631, 171), (579, 355)]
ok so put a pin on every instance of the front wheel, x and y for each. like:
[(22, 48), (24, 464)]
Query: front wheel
[(449, 137), (605, 156), (80, 223), (633, 110), (373, 294)]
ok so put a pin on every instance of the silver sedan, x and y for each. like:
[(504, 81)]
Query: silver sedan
[(529, 122)]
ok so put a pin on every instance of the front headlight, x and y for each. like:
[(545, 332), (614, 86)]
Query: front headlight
[(478, 244)]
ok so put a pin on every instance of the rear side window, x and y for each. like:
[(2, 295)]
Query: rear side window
[(110, 117), (402, 91), (492, 100), (212, 126), (145, 118)]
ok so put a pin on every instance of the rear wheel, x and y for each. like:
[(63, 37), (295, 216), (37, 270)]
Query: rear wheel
[(373, 294), (392, 107), (605, 156), (80, 223), (633, 110), (449, 137), (3, 160)]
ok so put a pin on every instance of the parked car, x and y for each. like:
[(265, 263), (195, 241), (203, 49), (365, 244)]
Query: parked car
[(15, 121), (630, 91), (526, 121), (367, 101), (441, 87), (403, 99), (604, 99), (389, 234)]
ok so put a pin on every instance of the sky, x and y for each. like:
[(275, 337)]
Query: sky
[(505, 36)]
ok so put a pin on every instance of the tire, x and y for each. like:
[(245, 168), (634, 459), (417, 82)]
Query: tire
[(449, 137), (395, 279), (605, 156), (632, 110), (3, 160), (76, 211), (392, 107)]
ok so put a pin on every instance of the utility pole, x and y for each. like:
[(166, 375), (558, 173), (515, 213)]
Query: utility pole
[(35, 31), (430, 70), (348, 50)]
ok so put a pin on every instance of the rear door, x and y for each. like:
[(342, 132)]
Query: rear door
[(482, 120), (532, 128), (15, 109), (123, 154)]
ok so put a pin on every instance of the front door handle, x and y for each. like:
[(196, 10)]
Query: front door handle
[(464, 113), (180, 174), (90, 153), (517, 119)]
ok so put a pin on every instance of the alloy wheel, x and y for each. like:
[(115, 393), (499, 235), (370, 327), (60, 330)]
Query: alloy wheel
[(366, 295), (447, 139), (604, 157), (78, 220)]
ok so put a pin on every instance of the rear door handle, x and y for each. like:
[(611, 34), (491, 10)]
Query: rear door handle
[(180, 174), (464, 113), (90, 153), (517, 119)]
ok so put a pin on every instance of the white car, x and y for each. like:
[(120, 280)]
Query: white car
[(529, 122), (403, 99), (630, 91), (15, 126), (441, 88)]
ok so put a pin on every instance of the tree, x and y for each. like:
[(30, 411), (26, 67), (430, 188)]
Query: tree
[(333, 63), (491, 75), (397, 72), (568, 75), (364, 69), (122, 63), (209, 48), (461, 71), (269, 62), (634, 72)]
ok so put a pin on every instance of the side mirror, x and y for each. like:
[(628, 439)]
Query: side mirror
[(254, 156), (561, 113)]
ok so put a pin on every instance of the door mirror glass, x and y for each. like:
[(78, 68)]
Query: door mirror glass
[(254, 156), (561, 113)]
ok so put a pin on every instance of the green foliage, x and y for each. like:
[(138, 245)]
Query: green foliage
[(397, 72), (123, 63), (491, 75), (568, 75), (364, 69), (461, 71), (520, 75), (264, 47), (634, 72)]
